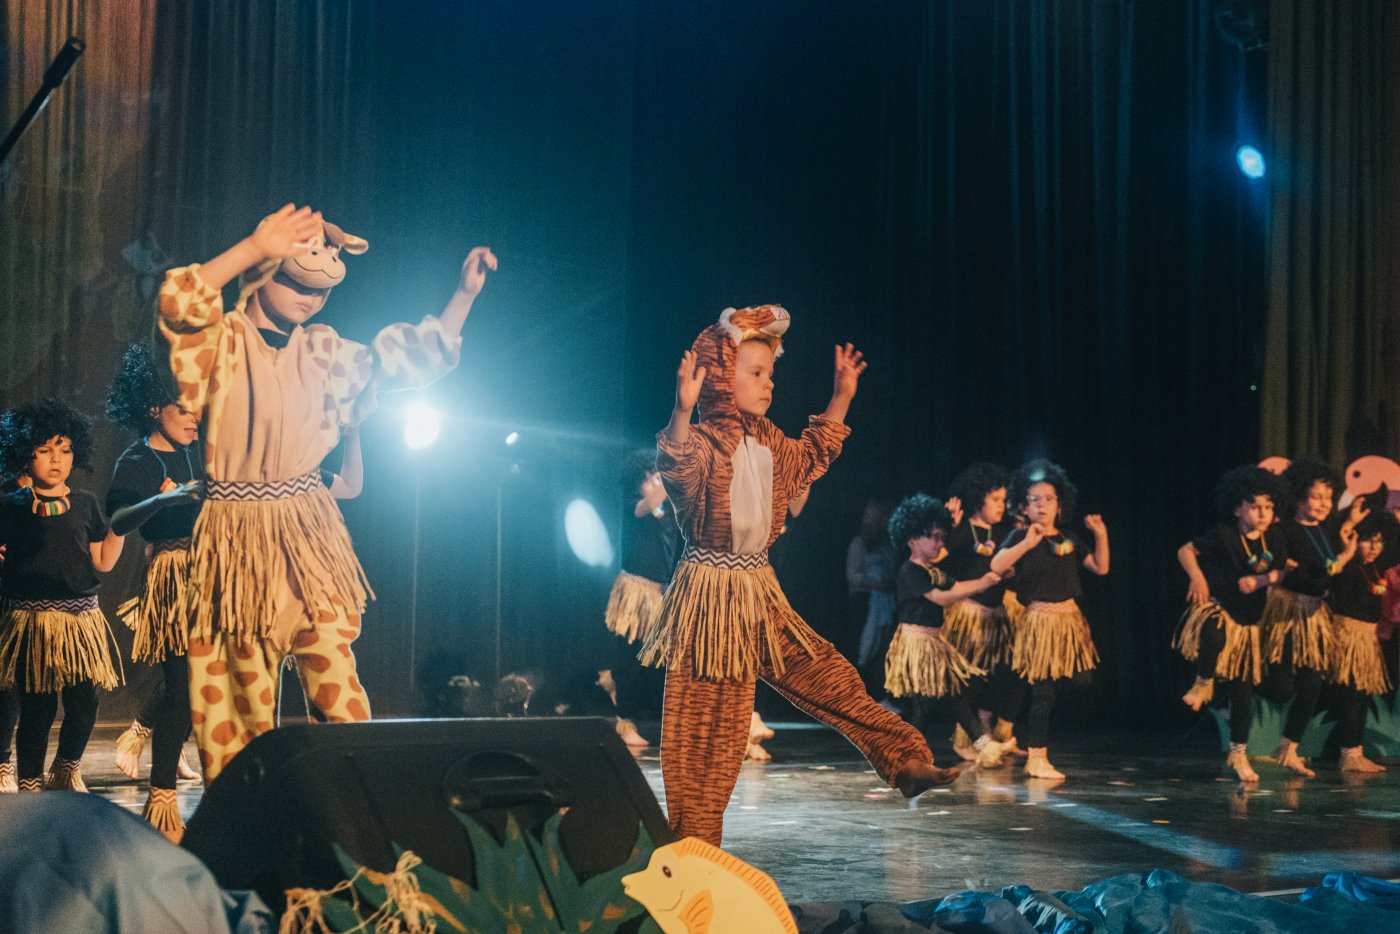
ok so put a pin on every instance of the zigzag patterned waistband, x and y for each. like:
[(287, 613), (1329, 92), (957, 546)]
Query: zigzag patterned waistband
[(260, 491), (170, 544), (725, 559), (68, 605)]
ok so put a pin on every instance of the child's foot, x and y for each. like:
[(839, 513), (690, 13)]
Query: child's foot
[(1200, 694), (962, 744), (1287, 756), (989, 752), (918, 777), (756, 753), (31, 784), (758, 730), (163, 814), (1353, 760), (1238, 759), (129, 746), (184, 772), (8, 783), (66, 775), (628, 731), (1003, 734), (1038, 764)]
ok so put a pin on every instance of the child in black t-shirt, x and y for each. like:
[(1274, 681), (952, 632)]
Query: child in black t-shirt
[(53, 638), (1355, 598), (921, 665), (1231, 568), (1053, 641)]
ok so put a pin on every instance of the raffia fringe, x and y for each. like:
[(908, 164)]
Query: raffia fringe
[(246, 551), (633, 606), (981, 634), (728, 620), (1307, 620), (405, 910), (1357, 661), (163, 814), (1014, 610), (157, 617), (921, 661), (62, 649), (1053, 641), (1240, 658)]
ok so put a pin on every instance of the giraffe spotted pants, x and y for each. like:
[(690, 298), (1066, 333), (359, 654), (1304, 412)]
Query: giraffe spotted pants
[(233, 684)]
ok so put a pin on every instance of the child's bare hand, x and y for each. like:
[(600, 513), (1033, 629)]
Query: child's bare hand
[(689, 379), (849, 366), (286, 232), (474, 269), (990, 579), (1249, 584), (1357, 513), (1198, 592), (1094, 523), (1035, 533), (954, 507)]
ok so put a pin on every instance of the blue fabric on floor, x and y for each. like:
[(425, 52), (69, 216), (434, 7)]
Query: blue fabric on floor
[(77, 862), (1159, 901)]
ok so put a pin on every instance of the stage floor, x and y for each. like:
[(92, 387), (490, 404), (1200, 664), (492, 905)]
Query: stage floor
[(821, 824)]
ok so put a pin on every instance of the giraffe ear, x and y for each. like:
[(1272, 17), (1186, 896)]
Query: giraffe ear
[(348, 243)]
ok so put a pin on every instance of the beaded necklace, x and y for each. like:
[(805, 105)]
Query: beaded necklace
[(1257, 561), (43, 506)]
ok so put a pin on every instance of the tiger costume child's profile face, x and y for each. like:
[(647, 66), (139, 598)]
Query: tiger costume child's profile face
[(738, 353)]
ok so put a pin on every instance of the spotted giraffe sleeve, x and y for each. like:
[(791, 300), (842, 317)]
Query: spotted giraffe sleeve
[(799, 462), (410, 356), (191, 319)]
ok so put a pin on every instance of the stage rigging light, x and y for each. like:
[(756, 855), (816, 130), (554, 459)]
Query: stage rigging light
[(421, 425), (511, 438), (588, 537), (1250, 161)]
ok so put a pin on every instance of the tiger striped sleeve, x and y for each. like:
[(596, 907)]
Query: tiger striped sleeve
[(685, 468), (799, 462)]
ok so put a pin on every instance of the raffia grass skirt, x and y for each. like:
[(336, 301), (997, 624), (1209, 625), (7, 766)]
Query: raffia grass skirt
[(61, 647), (1053, 641), (921, 661), (727, 620), (157, 617), (981, 634), (1307, 620), (633, 606), (1014, 610), (247, 551), (1240, 659), (1357, 661)]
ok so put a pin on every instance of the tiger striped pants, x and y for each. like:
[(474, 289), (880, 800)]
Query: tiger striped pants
[(705, 729)]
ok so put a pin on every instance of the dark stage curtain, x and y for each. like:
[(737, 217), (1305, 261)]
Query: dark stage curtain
[(1334, 309)]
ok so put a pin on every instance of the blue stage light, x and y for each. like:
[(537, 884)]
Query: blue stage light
[(1250, 161), (513, 437), (421, 425), (587, 535)]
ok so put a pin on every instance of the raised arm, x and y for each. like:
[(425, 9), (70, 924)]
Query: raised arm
[(689, 379), (849, 367), (1098, 561)]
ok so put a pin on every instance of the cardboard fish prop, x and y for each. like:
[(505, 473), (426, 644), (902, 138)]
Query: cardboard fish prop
[(691, 887)]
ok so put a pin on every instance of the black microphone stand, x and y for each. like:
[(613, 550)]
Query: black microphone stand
[(58, 69)]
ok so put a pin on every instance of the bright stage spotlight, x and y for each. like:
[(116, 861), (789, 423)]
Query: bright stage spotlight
[(421, 425), (1250, 161), (511, 438), (587, 535)]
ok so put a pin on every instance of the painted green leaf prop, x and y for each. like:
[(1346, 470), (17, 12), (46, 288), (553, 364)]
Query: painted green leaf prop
[(1383, 727), (523, 886), (1266, 729)]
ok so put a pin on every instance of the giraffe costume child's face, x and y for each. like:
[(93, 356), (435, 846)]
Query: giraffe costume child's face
[(295, 290)]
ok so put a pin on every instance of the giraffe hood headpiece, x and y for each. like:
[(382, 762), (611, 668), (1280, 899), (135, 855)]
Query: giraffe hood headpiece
[(318, 268), (717, 347)]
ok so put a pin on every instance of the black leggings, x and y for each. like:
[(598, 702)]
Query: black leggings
[(36, 716), (1303, 686), (1212, 642), (1037, 732), (1241, 696), (9, 718), (1351, 716), (923, 714), (169, 719)]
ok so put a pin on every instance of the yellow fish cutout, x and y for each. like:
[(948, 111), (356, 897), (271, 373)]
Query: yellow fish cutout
[(691, 887)]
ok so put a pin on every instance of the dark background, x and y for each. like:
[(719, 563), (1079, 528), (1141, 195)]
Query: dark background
[(1026, 214)]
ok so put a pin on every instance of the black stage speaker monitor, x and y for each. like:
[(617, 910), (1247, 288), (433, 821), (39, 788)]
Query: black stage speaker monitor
[(269, 820)]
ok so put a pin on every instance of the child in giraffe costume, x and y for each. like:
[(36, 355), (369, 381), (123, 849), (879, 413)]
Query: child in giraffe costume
[(724, 621), (272, 570)]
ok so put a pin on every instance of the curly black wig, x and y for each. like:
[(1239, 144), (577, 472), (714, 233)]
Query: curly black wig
[(142, 385), (1240, 485), (916, 516), (1302, 474), (1041, 470), (973, 485), (24, 428), (635, 468)]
